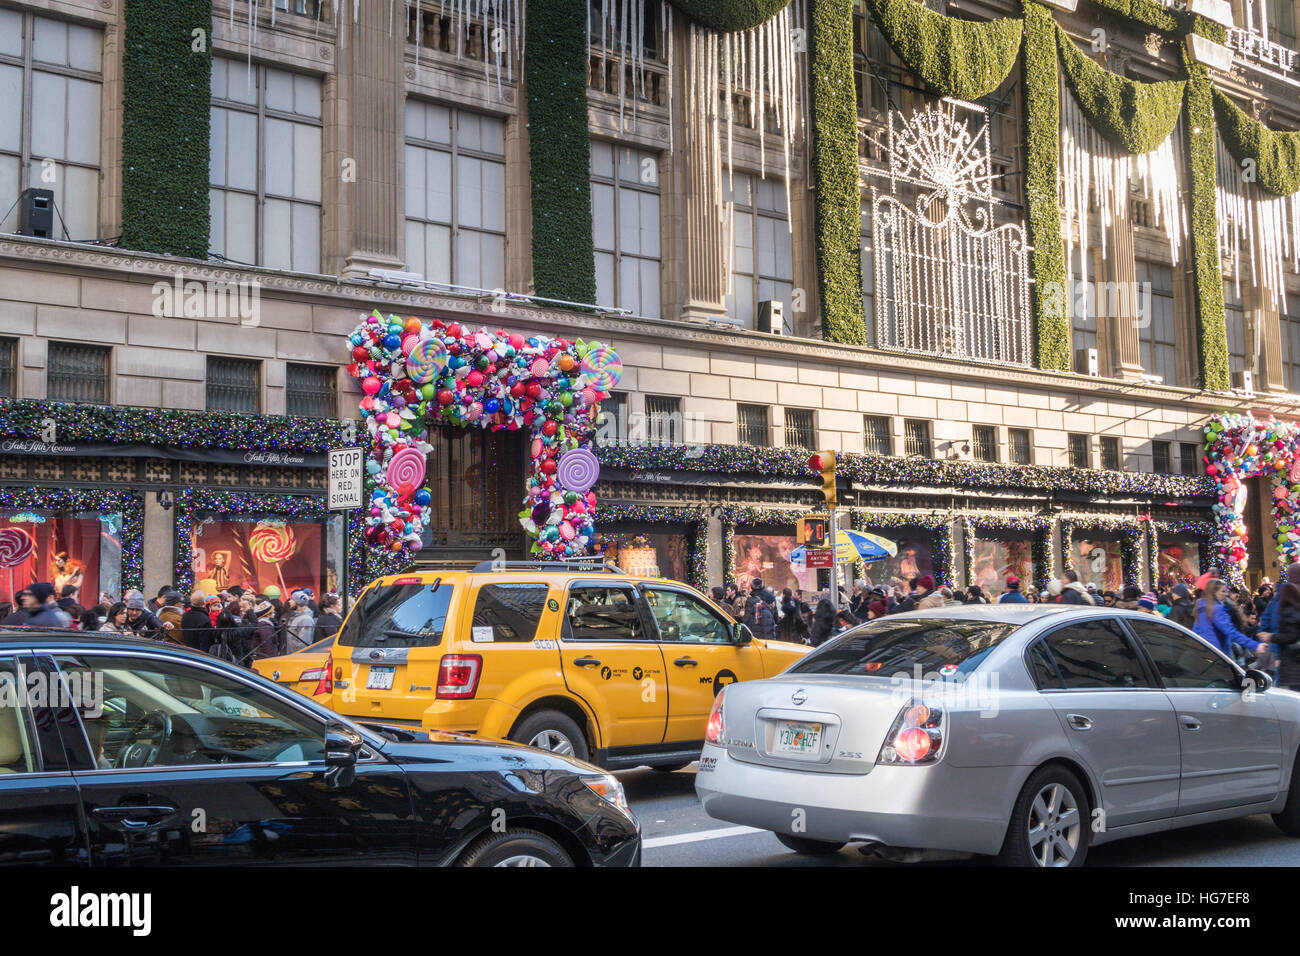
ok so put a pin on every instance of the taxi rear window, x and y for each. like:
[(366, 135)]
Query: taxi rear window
[(399, 615), (508, 612)]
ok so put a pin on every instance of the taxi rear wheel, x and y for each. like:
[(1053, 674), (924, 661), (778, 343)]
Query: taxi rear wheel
[(553, 731), (515, 848)]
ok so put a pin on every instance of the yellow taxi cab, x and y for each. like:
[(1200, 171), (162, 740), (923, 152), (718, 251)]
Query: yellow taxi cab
[(574, 657), (307, 670)]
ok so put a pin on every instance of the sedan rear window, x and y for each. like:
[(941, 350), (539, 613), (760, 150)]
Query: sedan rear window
[(399, 615), (941, 646)]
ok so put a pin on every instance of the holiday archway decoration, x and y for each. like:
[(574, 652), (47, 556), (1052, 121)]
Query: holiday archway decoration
[(1241, 447), (418, 375)]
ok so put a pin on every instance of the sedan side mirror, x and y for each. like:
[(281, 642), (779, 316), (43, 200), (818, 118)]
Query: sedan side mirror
[(342, 746), (1256, 680), (743, 635)]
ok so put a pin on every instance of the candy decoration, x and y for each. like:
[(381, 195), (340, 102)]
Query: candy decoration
[(425, 361), (579, 469), (603, 368), (272, 542), (16, 546), (406, 470)]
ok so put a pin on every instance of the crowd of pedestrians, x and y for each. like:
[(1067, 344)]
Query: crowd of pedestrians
[(236, 624)]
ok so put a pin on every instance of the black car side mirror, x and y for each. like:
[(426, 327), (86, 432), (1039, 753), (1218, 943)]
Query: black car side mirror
[(1256, 680), (743, 635), (342, 746)]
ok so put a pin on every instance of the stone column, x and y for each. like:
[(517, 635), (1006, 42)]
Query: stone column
[(110, 188), (364, 135), (1264, 323), (519, 204), (1123, 348)]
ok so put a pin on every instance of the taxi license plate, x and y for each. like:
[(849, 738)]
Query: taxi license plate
[(797, 738), (380, 678)]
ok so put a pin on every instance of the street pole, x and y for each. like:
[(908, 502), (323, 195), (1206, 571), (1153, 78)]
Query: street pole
[(835, 561)]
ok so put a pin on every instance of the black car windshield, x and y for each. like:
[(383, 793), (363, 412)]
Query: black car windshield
[(399, 615), (939, 647)]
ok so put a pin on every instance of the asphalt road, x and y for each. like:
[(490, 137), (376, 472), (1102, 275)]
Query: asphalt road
[(676, 832)]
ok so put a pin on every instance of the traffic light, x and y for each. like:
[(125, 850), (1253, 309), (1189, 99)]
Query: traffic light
[(824, 463)]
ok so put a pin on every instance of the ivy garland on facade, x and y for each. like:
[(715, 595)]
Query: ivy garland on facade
[(729, 16), (939, 527), (965, 59), (695, 518), (1036, 525), (1148, 12), (559, 150), (836, 191), (104, 501), (1276, 154), (1130, 542), (165, 150)]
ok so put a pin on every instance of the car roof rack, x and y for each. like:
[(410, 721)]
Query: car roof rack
[(554, 564), (438, 564)]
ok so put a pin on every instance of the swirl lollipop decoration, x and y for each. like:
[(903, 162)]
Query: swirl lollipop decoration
[(603, 368), (405, 470), (425, 361), (272, 542), (579, 469), (16, 546)]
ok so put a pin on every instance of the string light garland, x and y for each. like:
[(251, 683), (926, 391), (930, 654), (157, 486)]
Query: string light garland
[(695, 518), (1038, 526), (734, 516), (105, 501)]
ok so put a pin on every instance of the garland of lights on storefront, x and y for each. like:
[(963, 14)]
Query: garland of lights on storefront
[(364, 563), (129, 504), (1130, 538), (939, 526), (733, 516), (1200, 531), (1041, 542), (694, 517)]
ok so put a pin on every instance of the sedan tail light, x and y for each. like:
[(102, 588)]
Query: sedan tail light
[(915, 738), (716, 727), (458, 676)]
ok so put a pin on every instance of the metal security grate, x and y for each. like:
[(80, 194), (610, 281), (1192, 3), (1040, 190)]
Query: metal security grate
[(234, 385), (1190, 454), (799, 428), (311, 391), (875, 435), (916, 439), (1019, 446), (1160, 457), (77, 373), (986, 443), (1110, 453), (752, 425), (8, 361), (1079, 457), (663, 420)]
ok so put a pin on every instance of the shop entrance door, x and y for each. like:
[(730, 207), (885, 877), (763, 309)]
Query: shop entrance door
[(477, 481)]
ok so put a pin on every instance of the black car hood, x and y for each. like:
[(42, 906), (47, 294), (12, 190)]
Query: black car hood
[(413, 746)]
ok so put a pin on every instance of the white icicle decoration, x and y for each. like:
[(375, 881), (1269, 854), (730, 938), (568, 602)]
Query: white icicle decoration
[(1269, 224)]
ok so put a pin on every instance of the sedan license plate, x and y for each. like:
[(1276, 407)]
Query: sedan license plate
[(797, 738), (380, 678)]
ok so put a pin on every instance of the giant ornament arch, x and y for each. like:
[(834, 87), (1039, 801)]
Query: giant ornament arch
[(417, 375)]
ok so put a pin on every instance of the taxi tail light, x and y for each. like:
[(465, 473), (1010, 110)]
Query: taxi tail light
[(323, 676), (915, 737), (716, 727), (458, 676)]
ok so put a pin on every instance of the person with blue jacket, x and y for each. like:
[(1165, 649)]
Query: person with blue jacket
[(1214, 623)]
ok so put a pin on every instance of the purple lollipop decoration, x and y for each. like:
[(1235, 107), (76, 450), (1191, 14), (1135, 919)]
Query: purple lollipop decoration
[(578, 470)]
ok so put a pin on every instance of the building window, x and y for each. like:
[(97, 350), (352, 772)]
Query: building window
[(1189, 454), (761, 247), (1157, 328), (1110, 456), (307, 8), (265, 166), (8, 366), (916, 438), (50, 109), (986, 443), (868, 273), (663, 420), (611, 425), (876, 438), (1019, 447), (752, 425), (455, 196), (625, 225), (1236, 320), (800, 430), (1160, 462), (311, 391), (1291, 344), (1079, 456), (76, 373), (234, 385), (1082, 303)]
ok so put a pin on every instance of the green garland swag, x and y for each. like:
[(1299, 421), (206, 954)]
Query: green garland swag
[(729, 16), (559, 150), (1042, 120), (1276, 154), (166, 127), (1136, 117), (965, 59), (835, 162), (1150, 12)]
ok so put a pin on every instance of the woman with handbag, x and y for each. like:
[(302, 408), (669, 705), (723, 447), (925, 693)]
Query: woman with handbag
[(1287, 637)]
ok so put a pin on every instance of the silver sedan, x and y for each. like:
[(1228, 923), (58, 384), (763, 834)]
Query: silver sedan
[(1028, 733)]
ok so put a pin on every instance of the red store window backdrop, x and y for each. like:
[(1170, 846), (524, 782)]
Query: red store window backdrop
[(257, 554), (82, 550)]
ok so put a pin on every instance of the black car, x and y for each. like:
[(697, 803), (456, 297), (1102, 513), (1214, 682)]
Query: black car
[(119, 751)]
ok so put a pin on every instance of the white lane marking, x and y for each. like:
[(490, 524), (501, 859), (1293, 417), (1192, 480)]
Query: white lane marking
[(674, 840)]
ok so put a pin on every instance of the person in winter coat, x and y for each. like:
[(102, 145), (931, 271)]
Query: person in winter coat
[(975, 595), (172, 612), (792, 627), (930, 596), (1286, 634), (44, 611), (331, 616), (1067, 589), (115, 620), (823, 626), (1012, 594), (1183, 611), (142, 621), (301, 628), (1214, 622), (758, 615), (196, 625), (1129, 602), (924, 590)]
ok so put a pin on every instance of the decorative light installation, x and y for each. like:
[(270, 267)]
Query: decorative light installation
[(1269, 224)]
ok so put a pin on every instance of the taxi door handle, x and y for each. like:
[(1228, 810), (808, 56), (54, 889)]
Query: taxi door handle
[(587, 662), (686, 662)]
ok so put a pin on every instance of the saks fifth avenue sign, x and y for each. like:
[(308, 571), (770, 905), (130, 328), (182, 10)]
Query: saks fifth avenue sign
[(223, 456)]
